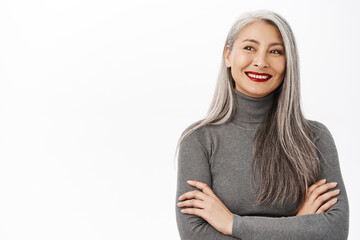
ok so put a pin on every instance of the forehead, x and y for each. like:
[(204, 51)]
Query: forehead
[(260, 31)]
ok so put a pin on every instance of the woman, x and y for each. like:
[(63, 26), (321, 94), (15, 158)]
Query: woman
[(260, 170)]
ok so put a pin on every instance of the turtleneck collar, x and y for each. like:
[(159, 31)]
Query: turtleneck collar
[(251, 112)]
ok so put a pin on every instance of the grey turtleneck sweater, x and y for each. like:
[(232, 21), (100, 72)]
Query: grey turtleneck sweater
[(221, 157)]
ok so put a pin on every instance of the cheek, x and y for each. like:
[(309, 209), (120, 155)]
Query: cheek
[(280, 66), (242, 60)]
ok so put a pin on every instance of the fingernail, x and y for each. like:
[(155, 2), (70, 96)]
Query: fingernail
[(335, 199), (190, 181), (334, 184), (323, 180)]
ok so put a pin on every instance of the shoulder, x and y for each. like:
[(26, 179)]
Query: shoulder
[(323, 138), (316, 125), (320, 130), (209, 132), (200, 134), (199, 138)]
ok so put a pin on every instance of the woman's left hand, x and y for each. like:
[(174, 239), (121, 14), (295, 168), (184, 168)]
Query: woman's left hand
[(208, 206)]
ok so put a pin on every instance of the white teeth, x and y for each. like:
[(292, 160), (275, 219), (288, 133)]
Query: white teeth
[(258, 76)]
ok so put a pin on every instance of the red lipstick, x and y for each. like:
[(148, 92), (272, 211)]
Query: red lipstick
[(258, 77)]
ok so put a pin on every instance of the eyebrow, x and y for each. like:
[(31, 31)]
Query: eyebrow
[(254, 41)]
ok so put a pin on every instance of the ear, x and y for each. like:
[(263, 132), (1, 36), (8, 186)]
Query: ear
[(227, 56)]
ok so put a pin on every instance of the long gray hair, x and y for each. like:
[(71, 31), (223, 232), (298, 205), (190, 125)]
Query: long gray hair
[(284, 146)]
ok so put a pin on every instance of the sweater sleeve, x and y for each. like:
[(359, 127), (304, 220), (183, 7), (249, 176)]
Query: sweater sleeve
[(193, 164), (333, 224)]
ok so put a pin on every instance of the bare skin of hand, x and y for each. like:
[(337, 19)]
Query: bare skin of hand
[(316, 197), (207, 205)]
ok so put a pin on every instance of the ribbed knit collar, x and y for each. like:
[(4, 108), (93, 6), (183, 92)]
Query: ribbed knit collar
[(250, 111)]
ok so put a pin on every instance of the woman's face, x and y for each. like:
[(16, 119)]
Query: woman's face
[(257, 59)]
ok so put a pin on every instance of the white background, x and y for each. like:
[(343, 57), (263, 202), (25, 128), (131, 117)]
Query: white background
[(95, 94)]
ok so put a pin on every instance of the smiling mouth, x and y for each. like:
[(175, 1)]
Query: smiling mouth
[(258, 77)]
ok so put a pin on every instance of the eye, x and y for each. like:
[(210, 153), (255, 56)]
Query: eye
[(276, 52), (248, 48)]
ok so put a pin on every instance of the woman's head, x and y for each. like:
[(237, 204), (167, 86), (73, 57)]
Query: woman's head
[(240, 57), (257, 59)]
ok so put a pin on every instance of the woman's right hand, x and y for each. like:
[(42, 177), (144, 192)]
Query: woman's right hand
[(316, 197)]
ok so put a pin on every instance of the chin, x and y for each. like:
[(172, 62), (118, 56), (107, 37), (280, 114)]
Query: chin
[(258, 93)]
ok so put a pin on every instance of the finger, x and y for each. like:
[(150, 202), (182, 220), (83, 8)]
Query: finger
[(317, 184), (192, 203), (324, 197), (203, 186), (320, 190), (193, 194), (195, 211), (328, 195), (327, 205)]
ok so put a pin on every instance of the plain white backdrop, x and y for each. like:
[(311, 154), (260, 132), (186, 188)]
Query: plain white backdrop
[(95, 94)]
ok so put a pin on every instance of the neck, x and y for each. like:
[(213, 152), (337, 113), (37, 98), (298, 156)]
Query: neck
[(250, 111)]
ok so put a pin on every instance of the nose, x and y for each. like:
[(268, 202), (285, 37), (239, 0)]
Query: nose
[(260, 60)]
